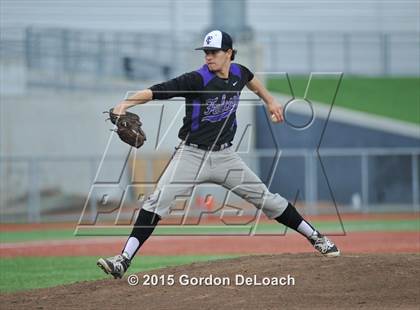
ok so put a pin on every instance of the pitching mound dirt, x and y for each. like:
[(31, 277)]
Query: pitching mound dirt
[(368, 281)]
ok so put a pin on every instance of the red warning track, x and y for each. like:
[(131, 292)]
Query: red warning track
[(354, 242)]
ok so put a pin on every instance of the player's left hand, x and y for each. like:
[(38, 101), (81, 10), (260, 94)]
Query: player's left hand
[(128, 128), (276, 112)]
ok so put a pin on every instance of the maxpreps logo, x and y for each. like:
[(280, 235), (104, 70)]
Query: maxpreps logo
[(216, 112)]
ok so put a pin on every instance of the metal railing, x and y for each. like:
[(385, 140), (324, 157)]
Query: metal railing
[(60, 58), (357, 53)]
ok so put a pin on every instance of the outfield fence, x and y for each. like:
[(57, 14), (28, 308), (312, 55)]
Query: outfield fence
[(56, 188)]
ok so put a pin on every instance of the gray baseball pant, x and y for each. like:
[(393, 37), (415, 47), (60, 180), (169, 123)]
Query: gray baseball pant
[(191, 166)]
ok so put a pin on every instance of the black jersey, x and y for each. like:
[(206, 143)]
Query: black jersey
[(211, 103)]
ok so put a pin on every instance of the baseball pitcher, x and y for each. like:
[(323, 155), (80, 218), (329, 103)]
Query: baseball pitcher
[(205, 153)]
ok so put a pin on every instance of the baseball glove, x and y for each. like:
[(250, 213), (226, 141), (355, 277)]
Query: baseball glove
[(128, 128)]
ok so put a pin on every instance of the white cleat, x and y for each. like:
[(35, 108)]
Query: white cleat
[(324, 245), (115, 266)]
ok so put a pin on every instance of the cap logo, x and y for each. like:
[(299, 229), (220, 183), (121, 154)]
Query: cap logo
[(208, 39)]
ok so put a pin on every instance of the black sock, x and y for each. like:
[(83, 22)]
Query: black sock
[(292, 219), (143, 228)]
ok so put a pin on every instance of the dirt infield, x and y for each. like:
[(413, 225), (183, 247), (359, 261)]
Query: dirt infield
[(366, 281)]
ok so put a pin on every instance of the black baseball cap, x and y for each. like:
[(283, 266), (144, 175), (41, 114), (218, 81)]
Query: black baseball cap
[(216, 40)]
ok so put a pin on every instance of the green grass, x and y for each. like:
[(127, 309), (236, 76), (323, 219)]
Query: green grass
[(271, 227), (24, 273), (355, 226), (275, 228), (33, 235), (393, 97)]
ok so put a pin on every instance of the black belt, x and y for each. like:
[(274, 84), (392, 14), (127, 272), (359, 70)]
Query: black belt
[(217, 147)]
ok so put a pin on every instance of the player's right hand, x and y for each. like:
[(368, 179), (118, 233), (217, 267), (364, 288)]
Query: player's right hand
[(276, 112)]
